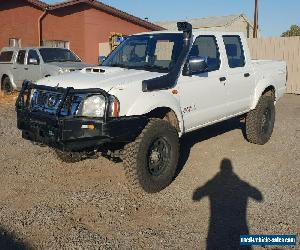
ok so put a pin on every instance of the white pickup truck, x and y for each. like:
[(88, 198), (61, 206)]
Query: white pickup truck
[(151, 90), (19, 64)]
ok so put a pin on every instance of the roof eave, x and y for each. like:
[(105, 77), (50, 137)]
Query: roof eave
[(110, 10)]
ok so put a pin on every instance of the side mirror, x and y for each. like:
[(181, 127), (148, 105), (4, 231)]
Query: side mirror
[(34, 61), (101, 59), (195, 65)]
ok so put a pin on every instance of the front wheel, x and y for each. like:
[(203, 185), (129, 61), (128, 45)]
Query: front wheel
[(151, 160), (260, 121)]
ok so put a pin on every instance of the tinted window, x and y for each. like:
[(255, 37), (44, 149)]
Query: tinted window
[(234, 51), (206, 47), (58, 55), (32, 54), (6, 56), (21, 57)]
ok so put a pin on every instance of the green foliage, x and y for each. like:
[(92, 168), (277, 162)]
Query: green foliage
[(293, 31)]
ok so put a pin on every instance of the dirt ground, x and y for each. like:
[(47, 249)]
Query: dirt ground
[(226, 186)]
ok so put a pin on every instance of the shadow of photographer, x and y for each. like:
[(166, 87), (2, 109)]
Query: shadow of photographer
[(228, 196)]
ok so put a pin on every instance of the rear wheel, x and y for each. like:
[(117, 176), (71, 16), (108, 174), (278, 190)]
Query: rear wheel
[(260, 121), (151, 160), (6, 86)]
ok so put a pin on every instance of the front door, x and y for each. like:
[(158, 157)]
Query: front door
[(33, 65), (203, 96), (20, 69)]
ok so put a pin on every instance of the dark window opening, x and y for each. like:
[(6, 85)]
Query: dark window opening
[(234, 51), (33, 56), (206, 47), (6, 56), (21, 57)]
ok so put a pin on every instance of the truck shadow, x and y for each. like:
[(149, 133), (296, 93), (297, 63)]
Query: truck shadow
[(9, 241), (228, 196), (203, 134)]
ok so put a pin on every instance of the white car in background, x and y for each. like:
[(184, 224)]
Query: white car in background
[(20, 64)]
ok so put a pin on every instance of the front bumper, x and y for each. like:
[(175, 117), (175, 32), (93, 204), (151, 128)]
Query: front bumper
[(71, 133)]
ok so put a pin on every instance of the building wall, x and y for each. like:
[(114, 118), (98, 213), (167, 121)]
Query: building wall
[(240, 25), (85, 27), (98, 26), (18, 20), (67, 24)]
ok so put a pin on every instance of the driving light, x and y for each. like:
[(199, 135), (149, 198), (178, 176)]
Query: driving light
[(93, 106)]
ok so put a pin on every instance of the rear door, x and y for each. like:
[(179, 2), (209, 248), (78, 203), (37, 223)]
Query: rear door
[(240, 78), (33, 65), (20, 70)]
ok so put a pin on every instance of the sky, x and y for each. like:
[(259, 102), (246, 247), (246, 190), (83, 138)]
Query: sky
[(275, 16)]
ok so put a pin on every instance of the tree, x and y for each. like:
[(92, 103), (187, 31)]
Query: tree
[(293, 31)]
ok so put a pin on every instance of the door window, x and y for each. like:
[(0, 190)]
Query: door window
[(6, 56), (234, 51), (33, 55), (206, 47), (21, 57)]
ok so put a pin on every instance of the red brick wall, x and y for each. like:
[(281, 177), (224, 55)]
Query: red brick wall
[(83, 26), (66, 24), (98, 26), (18, 20)]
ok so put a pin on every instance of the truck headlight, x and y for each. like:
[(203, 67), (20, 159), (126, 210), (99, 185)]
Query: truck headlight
[(92, 106)]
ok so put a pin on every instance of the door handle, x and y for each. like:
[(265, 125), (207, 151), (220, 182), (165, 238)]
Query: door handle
[(26, 68), (246, 74), (222, 79)]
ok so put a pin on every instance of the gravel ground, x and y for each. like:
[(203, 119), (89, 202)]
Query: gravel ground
[(226, 186)]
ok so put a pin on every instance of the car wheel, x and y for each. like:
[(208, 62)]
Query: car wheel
[(7, 87), (260, 121), (151, 160)]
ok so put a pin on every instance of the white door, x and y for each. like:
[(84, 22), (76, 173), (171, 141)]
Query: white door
[(33, 65), (203, 96), (20, 69), (240, 77)]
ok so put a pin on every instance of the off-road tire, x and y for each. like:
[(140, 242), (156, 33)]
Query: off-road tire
[(136, 157), (260, 121), (6, 86), (68, 157)]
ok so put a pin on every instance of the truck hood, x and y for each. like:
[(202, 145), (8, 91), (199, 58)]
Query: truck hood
[(102, 77), (70, 65)]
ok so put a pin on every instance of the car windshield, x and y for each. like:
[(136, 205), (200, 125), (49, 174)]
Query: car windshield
[(153, 52), (58, 55)]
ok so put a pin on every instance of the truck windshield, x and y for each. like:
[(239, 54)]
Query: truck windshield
[(58, 55), (153, 52)]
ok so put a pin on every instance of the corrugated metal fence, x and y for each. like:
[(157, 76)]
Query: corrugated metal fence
[(281, 48)]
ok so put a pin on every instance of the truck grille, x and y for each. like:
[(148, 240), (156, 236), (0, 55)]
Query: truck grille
[(49, 101)]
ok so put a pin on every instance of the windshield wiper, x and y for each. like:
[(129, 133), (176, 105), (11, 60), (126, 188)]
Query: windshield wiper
[(155, 68), (117, 65)]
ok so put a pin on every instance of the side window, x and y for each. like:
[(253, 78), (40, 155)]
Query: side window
[(6, 56), (206, 46), (21, 57), (33, 57), (234, 51)]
